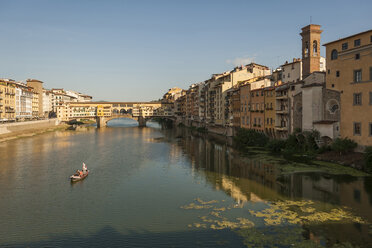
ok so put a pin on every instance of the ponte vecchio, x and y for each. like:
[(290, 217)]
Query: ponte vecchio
[(103, 112)]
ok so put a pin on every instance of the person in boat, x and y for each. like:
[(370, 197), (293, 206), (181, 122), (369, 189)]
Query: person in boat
[(84, 168), (77, 173), (81, 173)]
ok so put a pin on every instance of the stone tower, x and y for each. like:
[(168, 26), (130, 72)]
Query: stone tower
[(38, 87), (310, 49)]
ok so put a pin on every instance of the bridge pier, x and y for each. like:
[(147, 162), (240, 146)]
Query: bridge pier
[(101, 122), (141, 121)]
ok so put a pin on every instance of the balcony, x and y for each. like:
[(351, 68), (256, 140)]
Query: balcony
[(281, 128), (282, 109), (278, 97)]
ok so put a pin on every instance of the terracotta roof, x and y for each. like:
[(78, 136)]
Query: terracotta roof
[(347, 37), (34, 80)]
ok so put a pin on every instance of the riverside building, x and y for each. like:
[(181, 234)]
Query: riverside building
[(349, 71), (7, 100), (24, 96), (37, 86)]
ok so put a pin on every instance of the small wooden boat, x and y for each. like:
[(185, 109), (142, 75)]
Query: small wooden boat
[(76, 177)]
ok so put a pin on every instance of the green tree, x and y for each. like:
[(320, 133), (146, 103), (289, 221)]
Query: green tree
[(249, 137), (343, 145), (368, 158)]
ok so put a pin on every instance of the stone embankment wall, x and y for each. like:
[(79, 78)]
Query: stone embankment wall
[(220, 130), (9, 128)]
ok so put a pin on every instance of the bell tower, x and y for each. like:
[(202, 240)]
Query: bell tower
[(310, 49)]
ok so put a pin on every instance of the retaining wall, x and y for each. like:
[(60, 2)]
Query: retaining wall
[(9, 128)]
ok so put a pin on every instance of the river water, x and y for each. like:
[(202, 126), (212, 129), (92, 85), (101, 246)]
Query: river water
[(154, 187)]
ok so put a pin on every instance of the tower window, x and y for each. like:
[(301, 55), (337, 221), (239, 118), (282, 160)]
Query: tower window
[(344, 46), (357, 76), (315, 48), (337, 73), (357, 56), (370, 129), (357, 42), (334, 54), (370, 73), (306, 51)]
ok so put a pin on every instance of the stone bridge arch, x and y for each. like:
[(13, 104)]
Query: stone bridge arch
[(102, 120)]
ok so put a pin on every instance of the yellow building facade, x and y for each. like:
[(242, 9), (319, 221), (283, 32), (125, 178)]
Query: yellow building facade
[(35, 104), (7, 100), (270, 113), (349, 71)]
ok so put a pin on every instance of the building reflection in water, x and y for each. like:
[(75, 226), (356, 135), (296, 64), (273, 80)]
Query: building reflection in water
[(248, 180)]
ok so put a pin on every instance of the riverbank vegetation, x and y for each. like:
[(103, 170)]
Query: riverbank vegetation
[(302, 148)]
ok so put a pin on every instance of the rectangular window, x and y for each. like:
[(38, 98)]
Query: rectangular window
[(344, 46), (247, 122), (243, 120), (357, 99), (370, 129), (357, 128), (370, 73), (337, 73), (371, 38), (357, 56), (357, 76), (357, 42), (370, 98)]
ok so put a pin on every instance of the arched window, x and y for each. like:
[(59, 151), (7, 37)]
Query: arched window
[(334, 54), (306, 51), (315, 48)]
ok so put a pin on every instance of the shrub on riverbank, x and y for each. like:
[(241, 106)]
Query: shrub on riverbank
[(249, 137), (276, 145), (343, 145), (201, 129), (368, 158)]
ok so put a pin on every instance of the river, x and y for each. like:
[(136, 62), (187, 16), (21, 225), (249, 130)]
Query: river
[(154, 187)]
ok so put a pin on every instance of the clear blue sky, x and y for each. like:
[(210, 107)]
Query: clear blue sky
[(136, 50)]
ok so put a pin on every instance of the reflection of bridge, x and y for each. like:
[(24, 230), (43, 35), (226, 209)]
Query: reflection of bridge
[(106, 111)]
